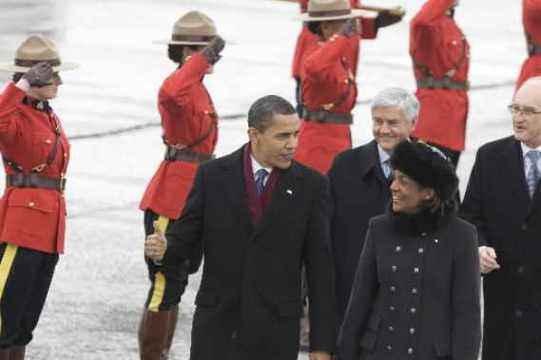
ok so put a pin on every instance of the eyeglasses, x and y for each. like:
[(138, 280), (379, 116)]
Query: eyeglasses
[(523, 110)]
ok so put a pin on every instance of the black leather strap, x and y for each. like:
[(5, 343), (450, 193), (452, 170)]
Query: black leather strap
[(172, 154), (33, 180), (445, 83), (327, 117)]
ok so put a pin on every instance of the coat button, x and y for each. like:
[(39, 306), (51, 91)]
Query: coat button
[(398, 248), (31, 204), (421, 250), (520, 269), (524, 226), (392, 308), (392, 288), (410, 351), (423, 234), (518, 314), (49, 141), (436, 241), (412, 331), (414, 291), (413, 310), (391, 328), (416, 270), (395, 268), (389, 347)]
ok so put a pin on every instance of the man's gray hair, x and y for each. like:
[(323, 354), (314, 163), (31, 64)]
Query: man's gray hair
[(263, 110), (401, 98)]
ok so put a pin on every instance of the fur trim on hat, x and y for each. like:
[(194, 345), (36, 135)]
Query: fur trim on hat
[(427, 166)]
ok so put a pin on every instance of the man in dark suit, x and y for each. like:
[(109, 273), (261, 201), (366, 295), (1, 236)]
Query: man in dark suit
[(360, 180), (258, 216), (503, 200)]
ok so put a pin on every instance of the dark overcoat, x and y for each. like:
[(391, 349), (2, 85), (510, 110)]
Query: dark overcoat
[(416, 293), (498, 203), (248, 303), (359, 191)]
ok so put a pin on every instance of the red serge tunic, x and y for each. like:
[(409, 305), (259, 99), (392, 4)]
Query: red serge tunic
[(32, 218), (438, 48), (328, 84), (188, 117), (307, 42), (531, 18)]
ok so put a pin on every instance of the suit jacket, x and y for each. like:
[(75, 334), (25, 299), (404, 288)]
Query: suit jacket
[(359, 191), (416, 292), (248, 304), (498, 203)]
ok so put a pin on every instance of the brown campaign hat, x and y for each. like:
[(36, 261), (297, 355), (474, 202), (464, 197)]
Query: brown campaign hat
[(192, 28), (36, 49), (326, 10)]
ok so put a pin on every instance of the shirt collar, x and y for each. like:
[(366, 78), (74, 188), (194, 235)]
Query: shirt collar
[(257, 166), (526, 149), (383, 155)]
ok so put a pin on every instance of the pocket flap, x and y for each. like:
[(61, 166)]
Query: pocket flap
[(22, 198), (206, 299)]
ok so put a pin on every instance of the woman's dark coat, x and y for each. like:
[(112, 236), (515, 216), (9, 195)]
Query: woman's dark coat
[(416, 291)]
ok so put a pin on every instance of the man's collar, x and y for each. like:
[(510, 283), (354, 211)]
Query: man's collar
[(525, 148), (40, 105)]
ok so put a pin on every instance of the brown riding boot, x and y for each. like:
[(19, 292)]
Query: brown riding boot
[(153, 334), (17, 353), (173, 316)]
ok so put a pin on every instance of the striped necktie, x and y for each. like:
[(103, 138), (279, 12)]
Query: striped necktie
[(260, 176), (532, 178)]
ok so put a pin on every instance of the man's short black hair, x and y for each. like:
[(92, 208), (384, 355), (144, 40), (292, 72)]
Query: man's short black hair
[(263, 110)]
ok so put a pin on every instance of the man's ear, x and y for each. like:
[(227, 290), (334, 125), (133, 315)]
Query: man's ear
[(252, 134)]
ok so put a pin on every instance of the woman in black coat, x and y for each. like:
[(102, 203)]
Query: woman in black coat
[(416, 290)]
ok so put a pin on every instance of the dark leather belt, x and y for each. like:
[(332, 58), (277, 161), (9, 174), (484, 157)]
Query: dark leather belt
[(35, 181), (327, 117), (534, 50), (172, 154), (445, 83)]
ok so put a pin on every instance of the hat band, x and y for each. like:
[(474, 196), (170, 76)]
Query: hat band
[(30, 63), (329, 13), (191, 38)]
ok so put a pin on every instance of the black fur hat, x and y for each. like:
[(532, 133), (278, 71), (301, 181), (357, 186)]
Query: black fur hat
[(428, 166)]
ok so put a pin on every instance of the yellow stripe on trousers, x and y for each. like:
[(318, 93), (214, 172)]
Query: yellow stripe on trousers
[(159, 278), (5, 267)]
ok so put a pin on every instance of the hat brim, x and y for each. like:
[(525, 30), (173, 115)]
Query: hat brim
[(174, 42), (9, 67), (355, 13)]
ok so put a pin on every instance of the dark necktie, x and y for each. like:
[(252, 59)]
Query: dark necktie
[(260, 176)]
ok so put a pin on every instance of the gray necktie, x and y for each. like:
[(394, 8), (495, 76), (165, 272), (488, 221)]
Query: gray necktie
[(532, 178), (387, 169)]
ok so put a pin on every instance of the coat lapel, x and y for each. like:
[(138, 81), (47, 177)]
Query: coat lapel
[(282, 196), (369, 162), (516, 180), (233, 178)]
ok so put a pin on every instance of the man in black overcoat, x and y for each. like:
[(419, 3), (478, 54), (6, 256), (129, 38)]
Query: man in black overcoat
[(258, 216), (360, 180), (503, 200)]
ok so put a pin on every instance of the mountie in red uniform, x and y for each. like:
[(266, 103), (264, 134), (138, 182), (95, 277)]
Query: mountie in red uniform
[(33, 145), (440, 55), (307, 41), (189, 123), (329, 95), (531, 18)]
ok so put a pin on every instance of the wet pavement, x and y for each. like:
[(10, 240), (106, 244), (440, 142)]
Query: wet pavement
[(108, 108)]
